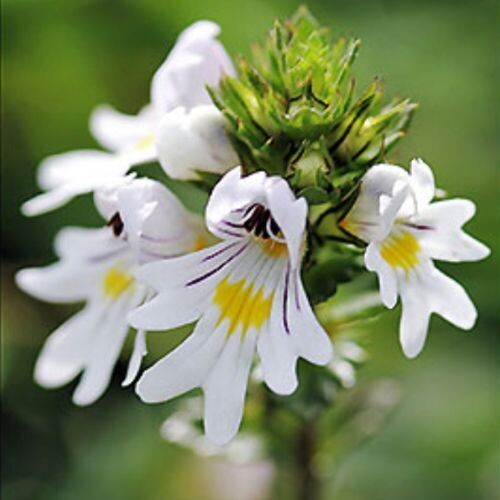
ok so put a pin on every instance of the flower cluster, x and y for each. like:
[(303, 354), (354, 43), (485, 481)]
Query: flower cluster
[(279, 137)]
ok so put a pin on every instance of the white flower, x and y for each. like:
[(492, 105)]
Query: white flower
[(405, 232), (197, 59), (194, 140), (245, 293), (146, 222)]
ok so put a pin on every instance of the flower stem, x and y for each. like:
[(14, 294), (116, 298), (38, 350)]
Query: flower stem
[(308, 486)]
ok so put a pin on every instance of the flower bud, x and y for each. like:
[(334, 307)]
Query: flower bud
[(195, 140)]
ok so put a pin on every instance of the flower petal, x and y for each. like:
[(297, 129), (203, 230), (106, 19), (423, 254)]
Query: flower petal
[(82, 244), (311, 339), (430, 291), (225, 388), (59, 282), (51, 200), (414, 322), (66, 350), (134, 364), (186, 366), (106, 343), (386, 276), (364, 219), (67, 175), (194, 140), (277, 351), (422, 181), (185, 284), (117, 131), (393, 208), (451, 301), (232, 193), (88, 167), (290, 214), (438, 229), (197, 60)]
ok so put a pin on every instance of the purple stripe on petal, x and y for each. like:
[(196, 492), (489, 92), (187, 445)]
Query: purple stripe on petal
[(220, 251), (234, 225), (216, 269), (285, 300), (230, 233), (420, 227)]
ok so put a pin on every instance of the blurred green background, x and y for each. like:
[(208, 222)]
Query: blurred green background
[(62, 57)]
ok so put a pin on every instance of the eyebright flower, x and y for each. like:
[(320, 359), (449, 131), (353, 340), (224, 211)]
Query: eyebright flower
[(405, 232), (197, 59), (146, 222), (245, 294)]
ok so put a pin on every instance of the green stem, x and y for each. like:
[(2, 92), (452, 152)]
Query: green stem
[(308, 486)]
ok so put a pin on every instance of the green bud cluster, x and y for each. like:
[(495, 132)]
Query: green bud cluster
[(292, 111)]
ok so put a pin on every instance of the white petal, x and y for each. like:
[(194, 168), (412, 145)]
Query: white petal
[(231, 193), (364, 218), (46, 202), (438, 229), (425, 292), (134, 364), (226, 386), (58, 282), (81, 244), (186, 366), (394, 207), (88, 167), (422, 181), (85, 255), (194, 140), (106, 344), (106, 195), (196, 60), (311, 339), (117, 131), (67, 175), (290, 215), (414, 323), (450, 300), (186, 284), (173, 274), (386, 276), (170, 310), (66, 350), (277, 351)]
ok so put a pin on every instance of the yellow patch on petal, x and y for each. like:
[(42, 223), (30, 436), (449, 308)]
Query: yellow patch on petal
[(116, 282), (273, 248), (199, 244), (401, 250), (239, 303), (145, 142)]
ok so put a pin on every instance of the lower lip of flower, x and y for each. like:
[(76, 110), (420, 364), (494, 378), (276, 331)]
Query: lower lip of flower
[(241, 305)]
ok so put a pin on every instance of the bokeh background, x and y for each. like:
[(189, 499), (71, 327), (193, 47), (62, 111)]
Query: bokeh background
[(62, 57)]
